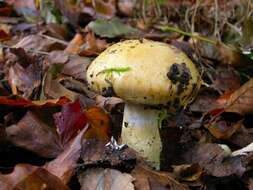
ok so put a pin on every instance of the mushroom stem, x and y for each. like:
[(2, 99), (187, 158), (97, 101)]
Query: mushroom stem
[(140, 131)]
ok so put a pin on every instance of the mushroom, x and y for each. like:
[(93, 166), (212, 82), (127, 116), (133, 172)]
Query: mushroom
[(147, 75)]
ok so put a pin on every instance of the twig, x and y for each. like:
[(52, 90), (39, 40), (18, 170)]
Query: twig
[(54, 39), (172, 29), (28, 50)]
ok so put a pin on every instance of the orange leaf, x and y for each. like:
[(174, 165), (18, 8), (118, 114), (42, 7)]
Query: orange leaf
[(100, 124), (75, 44)]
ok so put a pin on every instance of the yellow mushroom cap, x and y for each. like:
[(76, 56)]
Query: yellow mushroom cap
[(145, 72)]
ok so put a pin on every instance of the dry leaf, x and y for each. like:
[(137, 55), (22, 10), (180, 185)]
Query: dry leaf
[(27, 177), (31, 134), (188, 172), (216, 161), (39, 43), (222, 130), (75, 44), (241, 101), (100, 126), (106, 179), (147, 179), (70, 121), (65, 164)]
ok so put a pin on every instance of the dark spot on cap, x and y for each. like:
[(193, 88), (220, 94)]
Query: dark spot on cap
[(144, 97), (91, 75), (92, 82), (179, 74)]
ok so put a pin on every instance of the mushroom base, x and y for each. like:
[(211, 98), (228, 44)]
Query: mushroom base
[(140, 131)]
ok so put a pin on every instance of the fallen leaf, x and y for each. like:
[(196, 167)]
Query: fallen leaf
[(75, 44), (241, 101), (110, 28), (242, 137), (93, 46), (187, 172), (105, 9), (70, 121), (26, 80), (107, 179), (22, 102), (216, 161), (100, 124), (32, 134), (51, 86), (39, 43), (220, 129), (145, 178), (74, 65), (4, 36), (28, 177), (226, 80), (65, 164)]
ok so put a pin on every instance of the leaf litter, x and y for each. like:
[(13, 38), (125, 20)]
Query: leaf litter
[(63, 131)]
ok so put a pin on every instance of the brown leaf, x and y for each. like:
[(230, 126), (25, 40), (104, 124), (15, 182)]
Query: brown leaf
[(145, 178), (31, 134), (39, 43), (25, 80), (74, 66), (27, 177), (107, 179), (188, 172), (100, 126), (94, 45), (241, 101), (204, 103), (103, 8), (4, 36), (215, 160), (75, 44), (226, 80), (65, 164), (222, 130)]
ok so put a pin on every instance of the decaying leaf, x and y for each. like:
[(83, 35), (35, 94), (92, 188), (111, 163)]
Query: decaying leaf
[(28, 177), (100, 126), (188, 172), (93, 46), (216, 160), (70, 121), (241, 101), (222, 130), (107, 179), (75, 44), (15, 101), (39, 43), (145, 178), (65, 164), (32, 134)]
